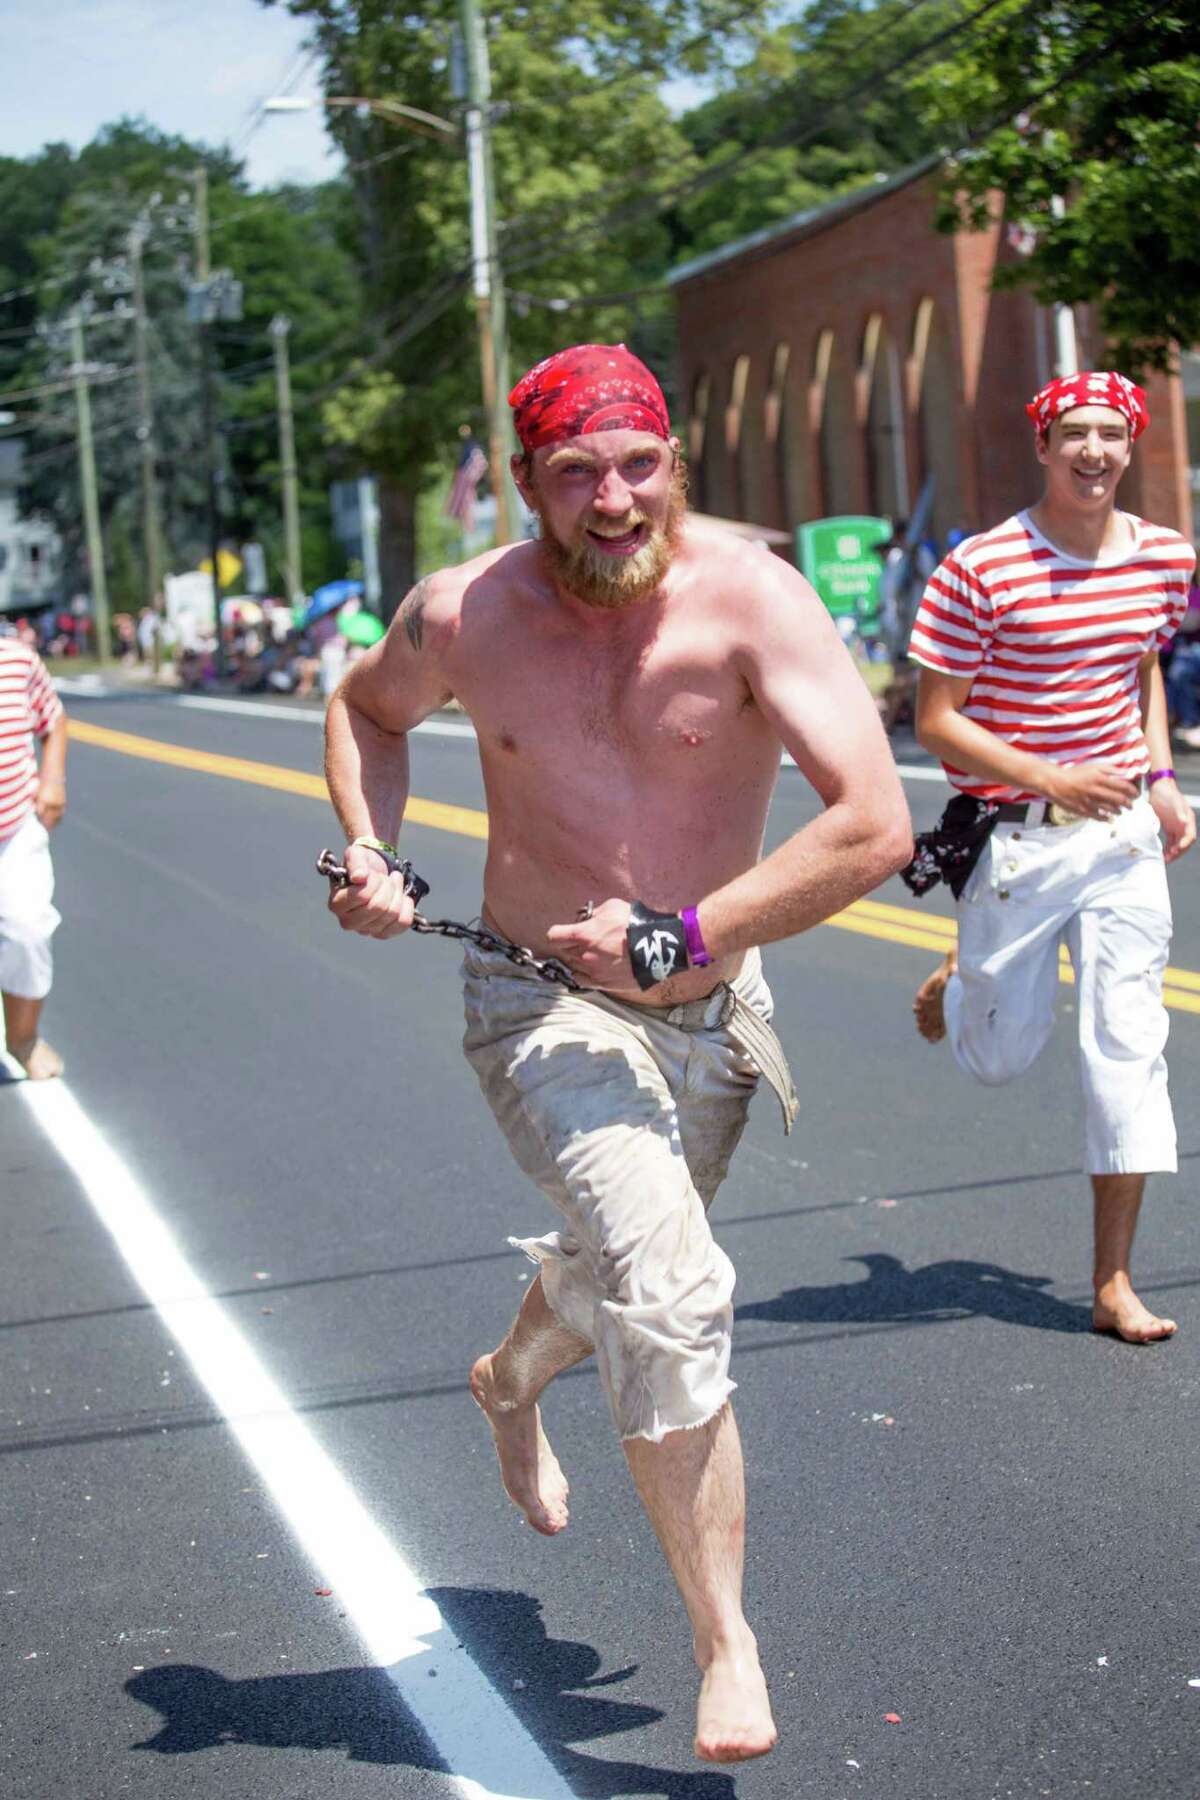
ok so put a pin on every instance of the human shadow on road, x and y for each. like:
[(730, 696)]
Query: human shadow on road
[(358, 1710), (889, 1293)]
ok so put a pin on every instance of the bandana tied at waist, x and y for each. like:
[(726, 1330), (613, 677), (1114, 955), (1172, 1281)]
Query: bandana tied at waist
[(950, 851)]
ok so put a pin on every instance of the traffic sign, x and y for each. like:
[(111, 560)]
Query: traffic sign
[(838, 556)]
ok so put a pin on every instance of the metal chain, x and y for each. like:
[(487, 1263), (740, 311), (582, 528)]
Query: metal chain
[(547, 968)]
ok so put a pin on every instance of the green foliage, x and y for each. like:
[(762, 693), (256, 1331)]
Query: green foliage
[(782, 126), (67, 232), (578, 130), (1096, 103)]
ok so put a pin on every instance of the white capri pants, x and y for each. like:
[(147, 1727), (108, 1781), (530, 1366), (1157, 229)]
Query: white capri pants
[(28, 918), (1100, 888)]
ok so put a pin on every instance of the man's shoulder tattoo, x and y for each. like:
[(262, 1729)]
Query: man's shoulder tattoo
[(412, 611)]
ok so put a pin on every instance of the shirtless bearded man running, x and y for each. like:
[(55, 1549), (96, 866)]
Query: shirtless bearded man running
[(632, 678)]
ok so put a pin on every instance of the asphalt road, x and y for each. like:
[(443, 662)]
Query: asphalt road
[(966, 1509)]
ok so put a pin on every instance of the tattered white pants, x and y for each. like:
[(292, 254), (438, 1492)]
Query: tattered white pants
[(1100, 888), (627, 1123)]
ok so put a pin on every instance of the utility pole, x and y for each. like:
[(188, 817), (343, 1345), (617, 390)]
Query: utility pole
[(485, 255), (294, 581), (1066, 345), (87, 482), (211, 297), (151, 534)]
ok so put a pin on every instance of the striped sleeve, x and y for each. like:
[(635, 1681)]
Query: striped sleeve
[(1178, 588), (45, 707), (953, 626)]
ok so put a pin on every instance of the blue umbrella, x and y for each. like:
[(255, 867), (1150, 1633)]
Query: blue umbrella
[(327, 599)]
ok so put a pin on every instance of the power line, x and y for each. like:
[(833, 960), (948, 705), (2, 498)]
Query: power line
[(707, 177), (512, 234), (439, 296), (294, 70), (976, 134), (57, 387)]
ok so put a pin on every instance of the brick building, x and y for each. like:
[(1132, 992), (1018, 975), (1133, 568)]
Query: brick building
[(832, 362)]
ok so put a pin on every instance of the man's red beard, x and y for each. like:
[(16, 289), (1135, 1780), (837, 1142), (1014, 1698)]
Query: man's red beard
[(611, 582)]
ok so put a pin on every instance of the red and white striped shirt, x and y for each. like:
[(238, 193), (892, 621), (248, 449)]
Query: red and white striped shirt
[(29, 707), (1051, 643)]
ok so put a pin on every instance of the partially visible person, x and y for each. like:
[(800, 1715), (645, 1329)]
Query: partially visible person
[(32, 802), (124, 634), (146, 633), (1183, 675), (898, 590), (1042, 694), (332, 663)]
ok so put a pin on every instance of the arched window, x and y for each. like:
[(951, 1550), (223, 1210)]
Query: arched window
[(737, 402), (880, 407), (783, 456), (934, 397), (832, 420), (697, 435)]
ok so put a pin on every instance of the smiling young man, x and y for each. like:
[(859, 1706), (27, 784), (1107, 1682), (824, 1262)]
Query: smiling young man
[(632, 678), (1041, 692)]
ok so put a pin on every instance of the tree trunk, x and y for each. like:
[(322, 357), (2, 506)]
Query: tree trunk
[(397, 543)]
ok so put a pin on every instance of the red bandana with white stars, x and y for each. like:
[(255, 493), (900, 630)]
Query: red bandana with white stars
[(590, 387), (1099, 388)]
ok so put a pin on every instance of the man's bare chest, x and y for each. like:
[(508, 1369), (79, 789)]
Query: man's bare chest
[(626, 702)]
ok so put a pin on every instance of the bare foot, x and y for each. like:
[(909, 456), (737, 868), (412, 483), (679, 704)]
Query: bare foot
[(38, 1059), (733, 1717), (529, 1468), (929, 1005), (1118, 1309)]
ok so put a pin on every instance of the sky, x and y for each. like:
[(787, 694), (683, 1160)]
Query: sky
[(199, 68)]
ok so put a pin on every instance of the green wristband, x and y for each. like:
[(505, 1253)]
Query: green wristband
[(386, 850)]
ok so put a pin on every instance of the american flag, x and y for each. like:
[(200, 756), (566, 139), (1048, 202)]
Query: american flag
[(472, 467)]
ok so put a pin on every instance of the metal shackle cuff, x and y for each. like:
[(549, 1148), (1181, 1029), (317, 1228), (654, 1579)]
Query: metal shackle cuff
[(414, 887), (657, 943)]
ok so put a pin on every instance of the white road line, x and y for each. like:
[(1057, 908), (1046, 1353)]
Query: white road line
[(292, 714), (487, 1751), (460, 728)]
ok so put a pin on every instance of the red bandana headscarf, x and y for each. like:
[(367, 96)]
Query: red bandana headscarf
[(590, 387), (1099, 388)]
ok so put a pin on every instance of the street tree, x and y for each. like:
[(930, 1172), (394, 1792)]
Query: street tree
[(73, 248), (1094, 103), (578, 130)]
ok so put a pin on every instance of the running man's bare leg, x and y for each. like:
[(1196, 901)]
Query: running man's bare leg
[(506, 1384), (693, 1489), (1118, 1200), (929, 1005)]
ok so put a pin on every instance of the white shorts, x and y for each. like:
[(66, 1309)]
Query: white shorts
[(1100, 888), (626, 1121), (28, 918)]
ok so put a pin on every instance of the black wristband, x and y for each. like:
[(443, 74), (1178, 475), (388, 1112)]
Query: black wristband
[(414, 887), (657, 945)]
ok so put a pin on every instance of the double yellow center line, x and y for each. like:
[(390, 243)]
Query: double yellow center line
[(870, 918)]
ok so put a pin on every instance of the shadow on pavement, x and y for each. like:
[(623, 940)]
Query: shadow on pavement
[(358, 1711), (940, 1291)]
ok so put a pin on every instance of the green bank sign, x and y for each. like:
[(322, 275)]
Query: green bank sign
[(839, 558)]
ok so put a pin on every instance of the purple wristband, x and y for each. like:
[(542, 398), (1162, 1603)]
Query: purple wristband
[(1159, 775), (697, 955)]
